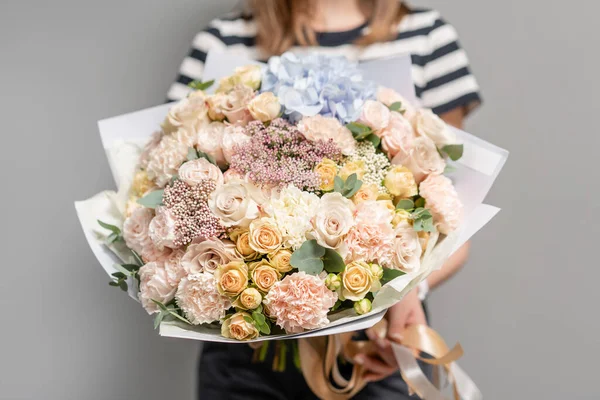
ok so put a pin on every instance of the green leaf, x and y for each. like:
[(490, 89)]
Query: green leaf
[(208, 157), (338, 184), (423, 220), (113, 237), (359, 131), (130, 267), (405, 204), (123, 285), (137, 258), (248, 319), (350, 182), (110, 227), (332, 261), (119, 275), (420, 202), (264, 329), (152, 199), (389, 274), (199, 85), (336, 305), (449, 169), (373, 138), (396, 106), (179, 317), (160, 305), (353, 191), (113, 283), (158, 319), (308, 258), (192, 154), (454, 151), (262, 353), (259, 318)]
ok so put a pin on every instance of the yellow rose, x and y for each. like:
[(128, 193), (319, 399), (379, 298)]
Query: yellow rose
[(249, 75), (241, 238), (265, 276), (280, 260), (400, 216), (357, 167), (264, 107), (254, 264), (232, 278), (400, 182), (326, 170), (215, 104), (357, 281), (366, 193), (265, 237), (236, 327), (249, 299), (141, 184)]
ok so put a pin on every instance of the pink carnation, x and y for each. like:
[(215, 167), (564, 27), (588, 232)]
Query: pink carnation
[(199, 299), (155, 285), (300, 302), (135, 229), (174, 267), (442, 201), (372, 238)]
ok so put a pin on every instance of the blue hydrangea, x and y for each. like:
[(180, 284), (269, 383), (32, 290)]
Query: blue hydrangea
[(317, 84)]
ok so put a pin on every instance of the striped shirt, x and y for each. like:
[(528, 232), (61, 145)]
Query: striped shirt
[(440, 67)]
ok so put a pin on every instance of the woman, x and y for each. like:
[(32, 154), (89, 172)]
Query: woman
[(360, 30)]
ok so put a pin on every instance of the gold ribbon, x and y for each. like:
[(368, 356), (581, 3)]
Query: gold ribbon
[(319, 363)]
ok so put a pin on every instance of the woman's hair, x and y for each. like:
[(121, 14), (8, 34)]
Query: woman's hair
[(282, 24)]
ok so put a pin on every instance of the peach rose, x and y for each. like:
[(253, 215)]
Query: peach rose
[(135, 229), (195, 171), (199, 299), (326, 170), (249, 299), (400, 182), (299, 301), (209, 141), (249, 75), (190, 112), (407, 249), (235, 107), (430, 125), (233, 135), (333, 220), (280, 260), (264, 277), (232, 278), (422, 160), (442, 201), (236, 327), (375, 115), (326, 128), (155, 285), (265, 237), (162, 228), (241, 237), (233, 204), (357, 281), (207, 255), (366, 193), (397, 136), (264, 107)]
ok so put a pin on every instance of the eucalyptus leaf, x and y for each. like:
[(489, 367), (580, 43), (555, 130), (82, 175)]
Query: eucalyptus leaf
[(113, 237), (332, 261), (160, 305), (179, 317), (123, 285), (199, 85), (449, 169), (420, 202), (454, 151), (338, 184), (308, 257), (405, 204), (130, 267), (208, 157), (158, 319), (192, 154), (350, 182), (355, 189), (359, 131), (152, 199), (396, 106), (390, 274), (248, 319), (119, 275), (113, 283), (373, 138), (259, 318), (110, 227), (264, 329)]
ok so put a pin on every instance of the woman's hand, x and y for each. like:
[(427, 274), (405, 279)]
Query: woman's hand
[(407, 312)]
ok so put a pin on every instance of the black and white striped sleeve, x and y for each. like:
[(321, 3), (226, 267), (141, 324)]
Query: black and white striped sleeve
[(448, 81)]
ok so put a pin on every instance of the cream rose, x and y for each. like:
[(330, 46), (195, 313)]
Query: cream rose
[(236, 327), (400, 182), (241, 237), (326, 170), (249, 299), (162, 228), (235, 105), (357, 281), (155, 285), (407, 249), (190, 112), (265, 237), (375, 115), (264, 107), (442, 201), (264, 277), (422, 160), (232, 278), (366, 193), (209, 141), (199, 299), (430, 125), (233, 204), (208, 255), (333, 220), (357, 167), (135, 229), (397, 136), (280, 260), (326, 128), (233, 135), (195, 171), (389, 96), (249, 75)]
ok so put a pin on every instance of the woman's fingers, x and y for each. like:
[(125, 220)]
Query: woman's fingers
[(373, 365)]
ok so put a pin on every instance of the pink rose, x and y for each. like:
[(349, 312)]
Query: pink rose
[(195, 171), (397, 136), (199, 299), (235, 106), (135, 229), (422, 159), (209, 141), (389, 96), (162, 228), (375, 115), (300, 302), (207, 255), (325, 128), (407, 248), (155, 285), (173, 267), (232, 135), (442, 201)]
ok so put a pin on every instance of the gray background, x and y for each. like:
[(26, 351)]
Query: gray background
[(525, 308)]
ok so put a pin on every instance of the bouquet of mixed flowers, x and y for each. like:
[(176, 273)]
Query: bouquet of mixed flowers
[(298, 196)]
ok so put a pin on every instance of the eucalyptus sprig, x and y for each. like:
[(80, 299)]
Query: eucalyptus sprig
[(115, 235), (199, 85), (422, 218), (194, 154), (152, 199), (313, 258), (167, 311), (349, 187)]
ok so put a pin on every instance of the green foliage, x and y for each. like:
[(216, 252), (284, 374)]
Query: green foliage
[(348, 188), (422, 220), (308, 258), (115, 234), (420, 202), (261, 323), (454, 151), (152, 199), (373, 138), (332, 261), (194, 154), (396, 106), (199, 85), (169, 311), (359, 131), (390, 274), (405, 204)]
